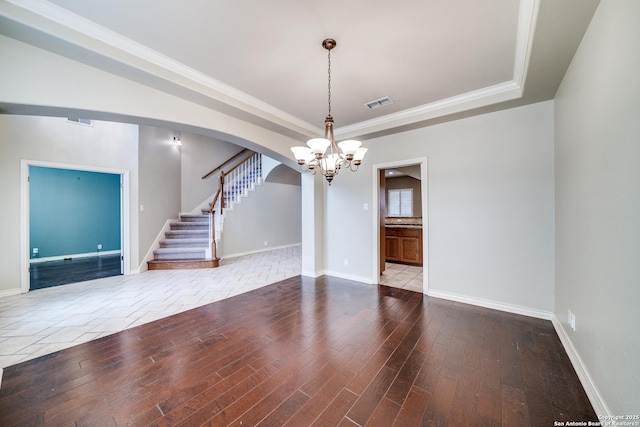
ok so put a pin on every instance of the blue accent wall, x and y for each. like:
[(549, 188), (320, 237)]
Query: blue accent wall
[(71, 211)]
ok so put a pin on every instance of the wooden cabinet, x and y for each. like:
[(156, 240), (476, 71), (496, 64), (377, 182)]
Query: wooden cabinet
[(404, 245)]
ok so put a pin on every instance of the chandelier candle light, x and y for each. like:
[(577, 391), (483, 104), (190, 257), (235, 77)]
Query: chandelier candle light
[(323, 154)]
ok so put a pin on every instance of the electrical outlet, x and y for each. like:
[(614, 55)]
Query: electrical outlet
[(346, 262), (99, 246), (35, 251), (265, 243)]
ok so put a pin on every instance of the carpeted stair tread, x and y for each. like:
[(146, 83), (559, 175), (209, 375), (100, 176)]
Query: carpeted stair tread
[(195, 234), (195, 218), (184, 243)]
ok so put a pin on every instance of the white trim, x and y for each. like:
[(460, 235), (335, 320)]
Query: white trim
[(74, 256), (119, 48), (311, 273), (24, 212), (155, 245), (218, 90), (424, 192), (527, 19), (270, 248), (355, 278), (501, 92), (496, 305), (598, 403), (11, 292)]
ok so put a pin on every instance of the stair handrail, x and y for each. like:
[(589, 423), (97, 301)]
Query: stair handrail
[(223, 163), (220, 191), (249, 166), (239, 164), (217, 195)]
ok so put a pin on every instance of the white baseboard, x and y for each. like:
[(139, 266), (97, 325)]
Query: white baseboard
[(11, 292), (599, 406), (496, 305), (73, 256), (312, 273), (156, 244), (355, 278), (257, 251)]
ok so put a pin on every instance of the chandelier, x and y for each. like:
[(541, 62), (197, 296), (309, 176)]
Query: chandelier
[(323, 154)]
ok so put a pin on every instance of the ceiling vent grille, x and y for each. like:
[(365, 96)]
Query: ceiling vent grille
[(86, 122), (379, 103)]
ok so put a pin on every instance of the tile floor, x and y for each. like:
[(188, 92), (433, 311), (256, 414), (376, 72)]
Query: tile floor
[(402, 276), (47, 320)]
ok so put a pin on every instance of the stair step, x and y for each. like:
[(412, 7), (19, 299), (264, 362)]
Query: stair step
[(185, 243), (187, 234), (179, 253), (195, 218), (182, 264), (189, 225)]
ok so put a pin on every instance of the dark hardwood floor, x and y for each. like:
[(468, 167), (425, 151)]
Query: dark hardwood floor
[(301, 352), (56, 273)]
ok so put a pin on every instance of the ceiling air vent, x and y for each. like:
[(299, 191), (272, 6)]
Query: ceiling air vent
[(379, 103), (85, 122)]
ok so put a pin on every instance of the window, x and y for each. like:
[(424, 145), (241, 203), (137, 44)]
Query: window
[(400, 202)]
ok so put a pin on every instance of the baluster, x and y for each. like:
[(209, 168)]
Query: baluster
[(244, 177)]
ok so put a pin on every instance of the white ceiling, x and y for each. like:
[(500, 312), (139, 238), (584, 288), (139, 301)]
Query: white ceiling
[(263, 61)]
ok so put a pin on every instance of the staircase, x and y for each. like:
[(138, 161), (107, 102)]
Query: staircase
[(237, 184), (190, 241), (186, 245)]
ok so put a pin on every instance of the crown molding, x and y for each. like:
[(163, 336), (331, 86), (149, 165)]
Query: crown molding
[(501, 92), (79, 31), (479, 98), (86, 33)]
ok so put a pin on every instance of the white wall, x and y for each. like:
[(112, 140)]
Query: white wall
[(490, 207), (200, 154), (46, 83), (597, 119), (271, 214), (45, 139), (159, 169)]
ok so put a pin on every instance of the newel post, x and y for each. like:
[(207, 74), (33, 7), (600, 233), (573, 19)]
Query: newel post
[(212, 234), (221, 192)]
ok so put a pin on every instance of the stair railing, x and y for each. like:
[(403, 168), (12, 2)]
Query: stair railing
[(234, 183), (212, 171), (212, 234)]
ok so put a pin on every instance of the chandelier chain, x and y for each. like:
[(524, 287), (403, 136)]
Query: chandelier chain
[(329, 81), (323, 155)]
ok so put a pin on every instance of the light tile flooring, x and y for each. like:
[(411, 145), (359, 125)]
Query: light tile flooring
[(402, 276), (52, 319)]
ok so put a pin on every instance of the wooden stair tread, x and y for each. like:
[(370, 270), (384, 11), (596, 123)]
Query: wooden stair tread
[(180, 264)]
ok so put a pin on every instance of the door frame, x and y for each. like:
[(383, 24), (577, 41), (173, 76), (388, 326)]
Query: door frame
[(424, 191), (125, 232)]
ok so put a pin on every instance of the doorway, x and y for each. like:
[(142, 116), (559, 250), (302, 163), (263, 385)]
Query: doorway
[(401, 255), (73, 224)]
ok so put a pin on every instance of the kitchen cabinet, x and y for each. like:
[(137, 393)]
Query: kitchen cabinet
[(404, 245)]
